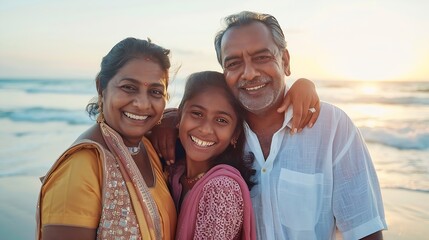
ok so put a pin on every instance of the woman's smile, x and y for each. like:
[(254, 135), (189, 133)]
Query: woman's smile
[(135, 117)]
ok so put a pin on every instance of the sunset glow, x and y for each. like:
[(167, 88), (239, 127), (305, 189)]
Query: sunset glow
[(367, 41), (334, 40), (368, 89)]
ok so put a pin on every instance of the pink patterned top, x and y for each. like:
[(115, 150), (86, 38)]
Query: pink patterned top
[(217, 207), (220, 210)]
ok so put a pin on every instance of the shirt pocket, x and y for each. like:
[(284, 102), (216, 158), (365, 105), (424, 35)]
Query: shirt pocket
[(300, 199)]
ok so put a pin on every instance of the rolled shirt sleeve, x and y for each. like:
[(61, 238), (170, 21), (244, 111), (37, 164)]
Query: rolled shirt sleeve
[(357, 200)]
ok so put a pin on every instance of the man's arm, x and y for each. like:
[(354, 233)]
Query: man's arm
[(303, 96), (164, 135)]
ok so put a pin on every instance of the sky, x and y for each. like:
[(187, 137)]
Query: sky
[(328, 40)]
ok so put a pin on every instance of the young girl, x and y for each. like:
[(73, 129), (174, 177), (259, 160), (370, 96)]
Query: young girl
[(211, 187)]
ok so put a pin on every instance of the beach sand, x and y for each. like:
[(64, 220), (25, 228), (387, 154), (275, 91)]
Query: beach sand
[(407, 212)]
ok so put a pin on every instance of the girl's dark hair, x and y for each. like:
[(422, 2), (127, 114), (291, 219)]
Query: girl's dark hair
[(197, 83), (124, 51)]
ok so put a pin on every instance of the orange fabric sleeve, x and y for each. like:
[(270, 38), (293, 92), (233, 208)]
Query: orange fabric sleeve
[(72, 194)]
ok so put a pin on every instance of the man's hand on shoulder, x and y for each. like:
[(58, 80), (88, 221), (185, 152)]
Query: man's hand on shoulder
[(163, 136), (306, 104)]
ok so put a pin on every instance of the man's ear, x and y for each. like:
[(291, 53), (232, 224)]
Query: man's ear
[(286, 62)]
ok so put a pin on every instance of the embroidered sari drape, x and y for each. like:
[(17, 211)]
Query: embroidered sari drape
[(130, 172), (124, 211)]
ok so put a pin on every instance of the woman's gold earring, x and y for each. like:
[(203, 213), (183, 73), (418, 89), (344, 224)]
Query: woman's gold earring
[(100, 117)]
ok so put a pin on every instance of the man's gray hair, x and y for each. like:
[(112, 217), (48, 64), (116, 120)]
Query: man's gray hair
[(246, 18)]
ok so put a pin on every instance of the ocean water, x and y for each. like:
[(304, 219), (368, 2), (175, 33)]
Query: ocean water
[(394, 120), (40, 118)]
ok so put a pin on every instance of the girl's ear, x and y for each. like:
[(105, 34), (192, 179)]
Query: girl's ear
[(235, 137), (234, 142)]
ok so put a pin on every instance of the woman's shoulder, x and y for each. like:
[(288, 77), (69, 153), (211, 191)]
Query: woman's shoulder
[(89, 152), (83, 149), (82, 157), (92, 134), (81, 163)]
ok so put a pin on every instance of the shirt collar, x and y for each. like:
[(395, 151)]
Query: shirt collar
[(288, 118), (287, 122), (288, 114)]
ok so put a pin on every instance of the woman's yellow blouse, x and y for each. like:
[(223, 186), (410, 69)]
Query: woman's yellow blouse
[(72, 195)]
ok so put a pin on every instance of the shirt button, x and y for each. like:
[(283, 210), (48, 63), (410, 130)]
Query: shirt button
[(264, 170)]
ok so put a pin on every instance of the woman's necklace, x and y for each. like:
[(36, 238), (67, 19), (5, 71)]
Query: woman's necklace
[(134, 150)]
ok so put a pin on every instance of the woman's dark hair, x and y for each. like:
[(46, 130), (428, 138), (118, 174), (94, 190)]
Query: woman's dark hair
[(233, 156), (124, 51)]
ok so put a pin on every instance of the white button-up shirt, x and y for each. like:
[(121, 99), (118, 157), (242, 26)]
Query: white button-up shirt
[(315, 181)]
